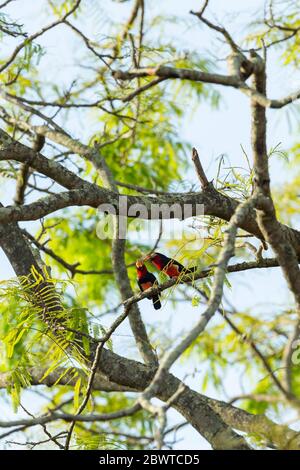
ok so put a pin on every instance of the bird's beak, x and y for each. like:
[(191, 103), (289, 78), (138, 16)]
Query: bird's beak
[(139, 263)]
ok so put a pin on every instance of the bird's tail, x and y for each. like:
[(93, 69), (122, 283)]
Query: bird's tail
[(156, 302)]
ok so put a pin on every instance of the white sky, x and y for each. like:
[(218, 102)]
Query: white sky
[(213, 133)]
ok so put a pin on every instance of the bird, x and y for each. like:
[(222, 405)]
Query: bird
[(169, 266), (145, 280)]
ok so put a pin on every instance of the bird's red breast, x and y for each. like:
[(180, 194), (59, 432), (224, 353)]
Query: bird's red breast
[(172, 270)]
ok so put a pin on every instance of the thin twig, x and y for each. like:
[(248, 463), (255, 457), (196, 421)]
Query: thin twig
[(199, 169)]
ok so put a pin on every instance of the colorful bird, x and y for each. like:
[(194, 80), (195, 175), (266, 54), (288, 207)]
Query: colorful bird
[(145, 280), (169, 266)]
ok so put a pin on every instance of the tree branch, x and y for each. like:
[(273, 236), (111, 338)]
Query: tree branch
[(216, 79), (274, 232), (212, 427)]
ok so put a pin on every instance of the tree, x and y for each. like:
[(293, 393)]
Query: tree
[(110, 131)]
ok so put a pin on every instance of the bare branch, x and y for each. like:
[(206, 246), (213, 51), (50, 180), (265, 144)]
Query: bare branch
[(217, 79), (199, 170), (274, 232), (219, 29), (4, 4), (213, 304), (180, 73), (121, 276), (283, 389)]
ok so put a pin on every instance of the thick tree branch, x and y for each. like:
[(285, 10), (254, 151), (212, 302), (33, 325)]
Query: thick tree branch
[(24, 172), (62, 377), (167, 72), (10, 149), (135, 376), (215, 420), (210, 200), (274, 232), (121, 275), (212, 306), (283, 387), (220, 29), (210, 424), (138, 376)]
